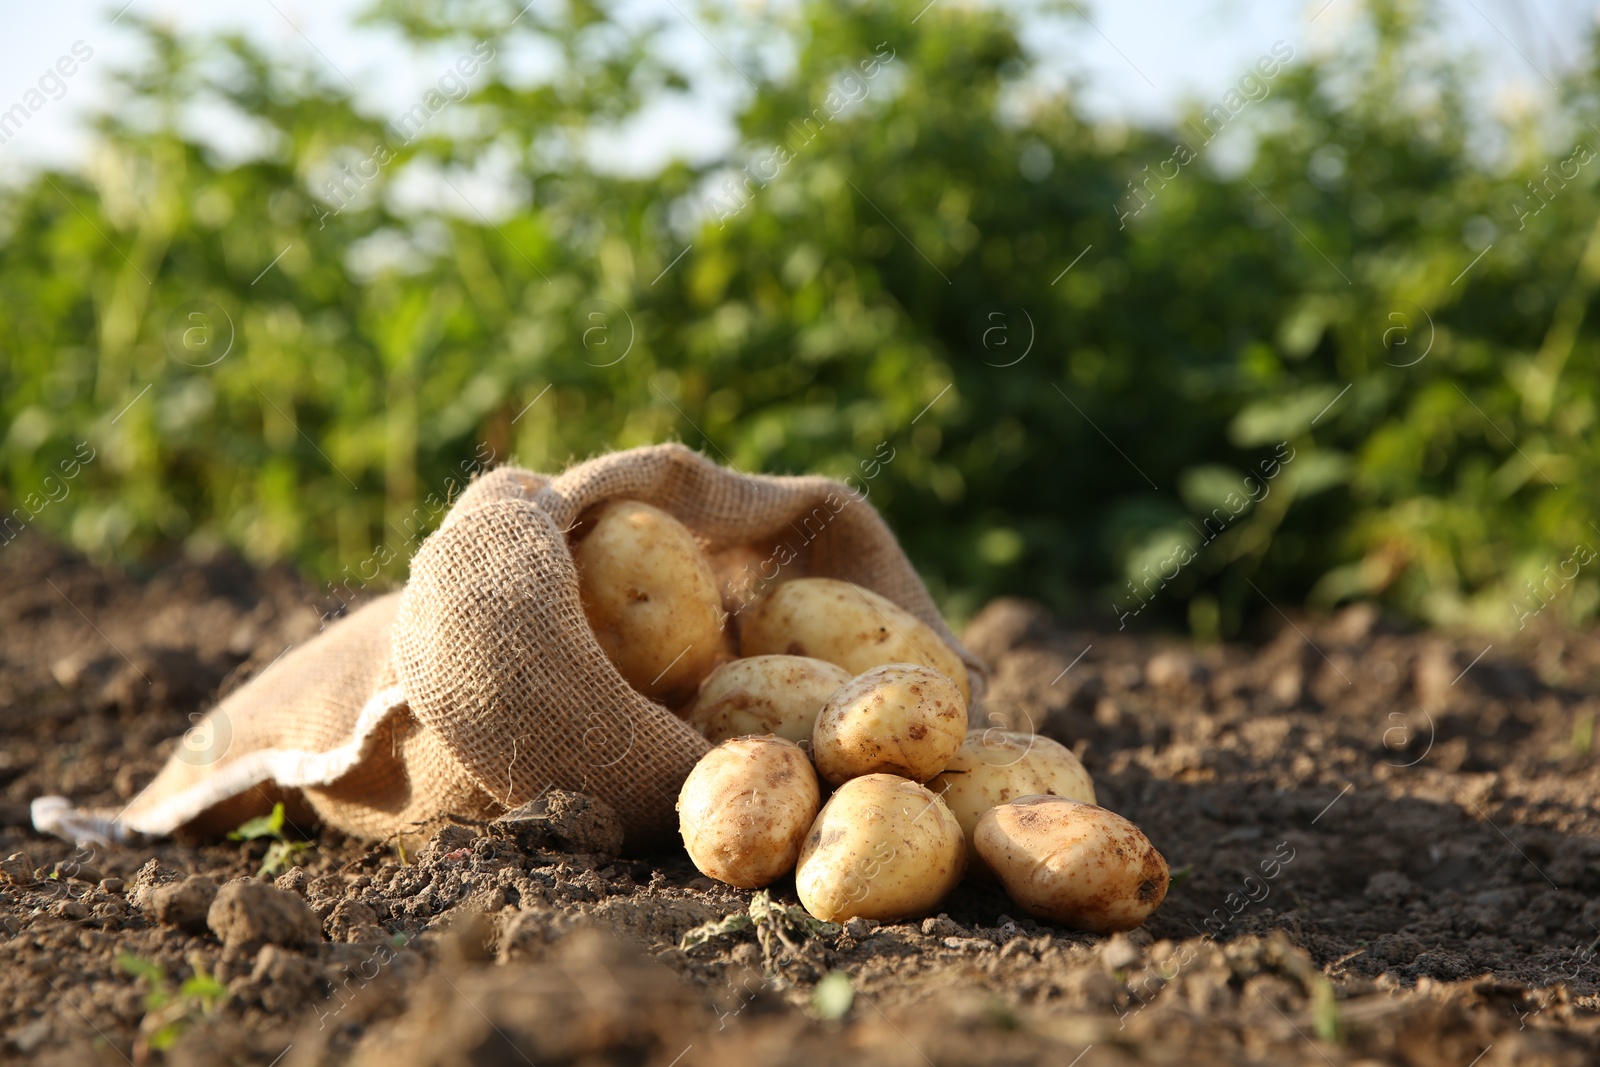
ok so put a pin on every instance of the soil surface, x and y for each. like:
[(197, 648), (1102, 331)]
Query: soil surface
[(1385, 842)]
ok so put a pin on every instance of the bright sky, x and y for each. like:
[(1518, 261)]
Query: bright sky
[(1141, 57)]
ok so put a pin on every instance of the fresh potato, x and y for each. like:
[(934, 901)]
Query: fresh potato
[(882, 848), (845, 624), (745, 808), (899, 718), (1072, 863), (995, 766), (765, 695), (738, 572), (650, 598)]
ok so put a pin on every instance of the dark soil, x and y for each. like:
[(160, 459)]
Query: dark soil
[(1389, 838)]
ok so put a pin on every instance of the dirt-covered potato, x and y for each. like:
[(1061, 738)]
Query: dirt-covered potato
[(765, 695), (650, 598), (899, 718), (744, 810), (882, 848), (995, 766), (845, 624), (1072, 863)]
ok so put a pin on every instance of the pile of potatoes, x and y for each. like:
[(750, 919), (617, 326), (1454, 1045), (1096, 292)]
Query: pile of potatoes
[(821, 690)]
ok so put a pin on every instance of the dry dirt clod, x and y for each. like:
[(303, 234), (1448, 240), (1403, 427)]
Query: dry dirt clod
[(147, 878), (1353, 623), (352, 920), (593, 1001), (1172, 669), (69, 909), (469, 937), (279, 981), (1287, 685), (1390, 887), (1433, 675), (182, 904), (29, 1037), (71, 671), (570, 822), (295, 880), (16, 869), (247, 914), (448, 840), (77, 872), (1119, 953), (860, 928)]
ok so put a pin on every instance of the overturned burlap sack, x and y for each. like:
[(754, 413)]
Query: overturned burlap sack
[(480, 685)]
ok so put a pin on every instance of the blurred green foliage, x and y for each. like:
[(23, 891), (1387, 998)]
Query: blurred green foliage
[(884, 258)]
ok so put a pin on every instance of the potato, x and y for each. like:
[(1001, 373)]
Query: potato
[(650, 598), (1072, 863), (738, 573), (995, 766), (765, 695), (899, 718), (745, 809), (845, 624), (882, 848)]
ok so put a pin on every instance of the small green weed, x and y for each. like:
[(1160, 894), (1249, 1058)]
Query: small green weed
[(282, 853), (170, 1011)]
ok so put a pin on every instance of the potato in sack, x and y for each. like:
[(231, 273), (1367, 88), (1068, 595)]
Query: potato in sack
[(779, 695), (650, 598), (848, 625)]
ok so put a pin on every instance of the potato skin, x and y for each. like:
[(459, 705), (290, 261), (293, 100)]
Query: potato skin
[(738, 573), (899, 718), (1072, 863), (882, 848), (845, 624), (650, 598), (745, 809), (995, 766), (765, 695)]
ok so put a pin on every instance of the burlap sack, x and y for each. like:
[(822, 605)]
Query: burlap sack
[(480, 685)]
